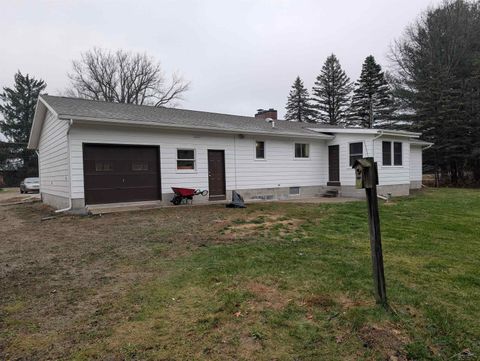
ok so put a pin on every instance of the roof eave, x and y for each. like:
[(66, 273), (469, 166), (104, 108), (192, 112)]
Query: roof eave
[(391, 132), (37, 123), (90, 120)]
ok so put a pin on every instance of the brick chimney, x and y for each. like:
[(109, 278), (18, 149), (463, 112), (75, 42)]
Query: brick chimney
[(265, 114)]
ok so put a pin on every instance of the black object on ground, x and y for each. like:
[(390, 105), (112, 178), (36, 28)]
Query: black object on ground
[(237, 201)]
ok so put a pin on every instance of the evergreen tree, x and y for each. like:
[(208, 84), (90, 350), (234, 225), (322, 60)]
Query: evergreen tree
[(372, 100), (298, 104), (437, 79), (18, 109), (331, 92)]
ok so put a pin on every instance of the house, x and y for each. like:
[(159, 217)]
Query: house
[(93, 152)]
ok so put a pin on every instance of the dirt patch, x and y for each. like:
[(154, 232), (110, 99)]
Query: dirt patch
[(249, 226), (71, 273), (319, 301), (347, 303), (385, 340), (266, 296)]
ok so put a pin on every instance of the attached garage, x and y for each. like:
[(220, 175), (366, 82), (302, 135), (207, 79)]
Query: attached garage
[(121, 173)]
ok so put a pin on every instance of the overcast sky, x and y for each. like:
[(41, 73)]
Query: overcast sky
[(239, 55)]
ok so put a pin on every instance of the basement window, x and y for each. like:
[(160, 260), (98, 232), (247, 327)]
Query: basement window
[(356, 152), (294, 191), (302, 150), (185, 159)]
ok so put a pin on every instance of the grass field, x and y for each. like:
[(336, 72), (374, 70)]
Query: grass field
[(275, 281)]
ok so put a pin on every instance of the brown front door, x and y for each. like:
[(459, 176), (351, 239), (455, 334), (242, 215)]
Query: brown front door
[(333, 165), (216, 174), (121, 173)]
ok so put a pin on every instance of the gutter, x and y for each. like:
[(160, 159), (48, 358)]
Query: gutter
[(69, 208)]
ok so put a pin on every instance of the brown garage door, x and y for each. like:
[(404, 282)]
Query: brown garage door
[(121, 173)]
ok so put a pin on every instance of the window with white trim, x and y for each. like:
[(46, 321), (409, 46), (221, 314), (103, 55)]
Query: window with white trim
[(302, 150), (356, 152), (259, 149), (185, 159), (392, 150), (397, 153), (387, 153)]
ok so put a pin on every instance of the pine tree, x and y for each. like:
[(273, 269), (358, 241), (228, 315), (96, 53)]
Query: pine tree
[(331, 92), (298, 104), (437, 78), (371, 101), (18, 109)]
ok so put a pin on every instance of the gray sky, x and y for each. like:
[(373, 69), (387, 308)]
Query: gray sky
[(239, 55)]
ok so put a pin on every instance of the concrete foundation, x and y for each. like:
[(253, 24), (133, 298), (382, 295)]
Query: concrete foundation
[(395, 190), (278, 193), (281, 193), (416, 184), (57, 202)]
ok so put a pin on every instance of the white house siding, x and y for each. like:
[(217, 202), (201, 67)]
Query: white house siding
[(242, 170), (392, 179), (416, 170), (390, 174), (347, 174), (53, 161)]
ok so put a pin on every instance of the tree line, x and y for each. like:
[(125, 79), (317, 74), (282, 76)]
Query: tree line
[(336, 100), (433, 88)]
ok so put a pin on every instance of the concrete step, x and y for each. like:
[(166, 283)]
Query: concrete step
[(331, 193)]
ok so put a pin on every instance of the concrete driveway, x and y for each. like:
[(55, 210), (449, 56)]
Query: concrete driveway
[(13, 195)]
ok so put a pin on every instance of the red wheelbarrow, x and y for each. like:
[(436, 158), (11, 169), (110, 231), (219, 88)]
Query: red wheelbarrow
[(183, 195)]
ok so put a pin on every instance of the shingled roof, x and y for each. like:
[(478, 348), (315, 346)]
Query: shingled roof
[(82, 109)]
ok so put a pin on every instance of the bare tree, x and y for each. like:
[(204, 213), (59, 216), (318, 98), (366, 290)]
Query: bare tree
[(124, 77)]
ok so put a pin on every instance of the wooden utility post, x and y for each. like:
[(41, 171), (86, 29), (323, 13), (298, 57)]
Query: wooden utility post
[(366, 176)]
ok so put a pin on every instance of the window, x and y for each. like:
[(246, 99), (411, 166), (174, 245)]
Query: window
[(387, 153), (294, 191), (397, 153), (301, 150), (356, 152), (185, 159), (139, 165), (259, 150), (103, 166)]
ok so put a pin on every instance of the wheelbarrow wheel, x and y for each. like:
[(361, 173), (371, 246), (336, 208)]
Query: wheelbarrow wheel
[(177, 200)]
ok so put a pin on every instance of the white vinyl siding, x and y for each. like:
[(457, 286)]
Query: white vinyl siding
[(416, 163), (387, 175), (347, 174), (242, 171), (53, 156), (393, 174)]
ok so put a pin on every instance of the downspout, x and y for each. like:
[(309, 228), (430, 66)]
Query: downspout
[(387, 198), (39, 178), (69, 171), (373, 142), (235, 158)]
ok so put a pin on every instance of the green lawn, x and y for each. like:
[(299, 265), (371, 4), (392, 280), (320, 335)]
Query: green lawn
[(281, 281)]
